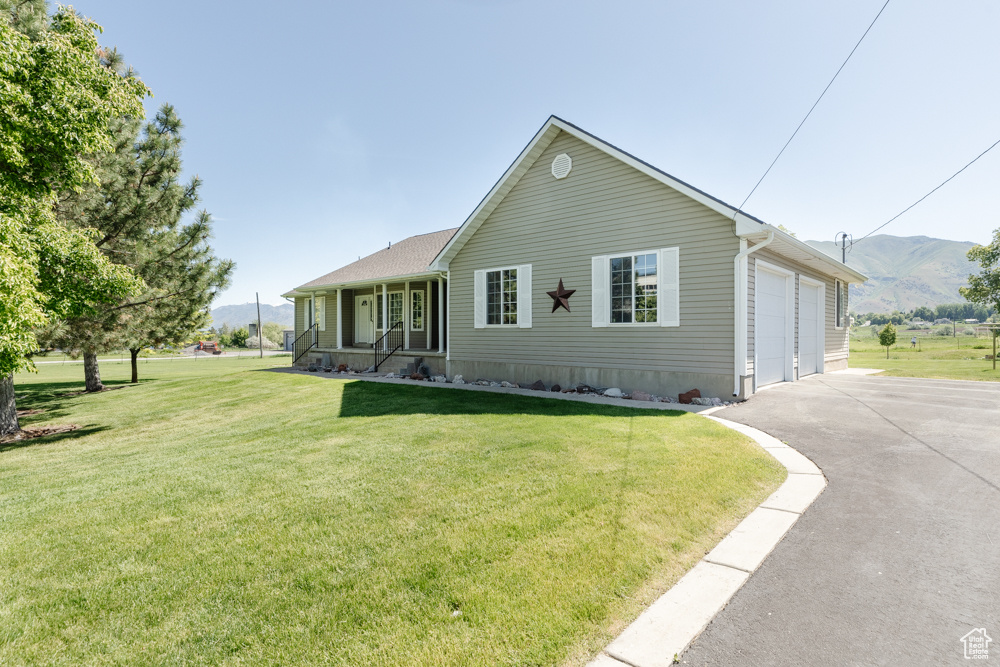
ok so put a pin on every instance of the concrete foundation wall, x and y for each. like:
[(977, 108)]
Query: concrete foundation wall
[(362, 359), (661, 383)]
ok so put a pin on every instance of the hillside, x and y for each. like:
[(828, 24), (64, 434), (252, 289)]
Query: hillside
[(905, 272), (243, 314)]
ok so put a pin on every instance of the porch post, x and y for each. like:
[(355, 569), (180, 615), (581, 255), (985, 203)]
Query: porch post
[(385, 314), (340, 321), (406, 316), (441, 315), (427, 314)]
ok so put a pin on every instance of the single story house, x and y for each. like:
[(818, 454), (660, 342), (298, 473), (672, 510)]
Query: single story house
[(586, 264)]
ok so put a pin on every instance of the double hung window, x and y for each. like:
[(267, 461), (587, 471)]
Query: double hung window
[(636, 289), (501, 296), (417, 310), (633, 288), (395, 309)]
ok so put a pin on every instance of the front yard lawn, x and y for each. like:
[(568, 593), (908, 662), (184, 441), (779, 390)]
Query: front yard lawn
[(220, 513)]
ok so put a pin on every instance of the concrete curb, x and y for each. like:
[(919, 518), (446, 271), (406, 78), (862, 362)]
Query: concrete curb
[(671, 623)]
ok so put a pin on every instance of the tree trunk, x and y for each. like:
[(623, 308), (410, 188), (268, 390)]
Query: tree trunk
[(92, 372), (135, 365), (8, 407)]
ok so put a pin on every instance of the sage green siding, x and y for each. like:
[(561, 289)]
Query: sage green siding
[(603, 207)]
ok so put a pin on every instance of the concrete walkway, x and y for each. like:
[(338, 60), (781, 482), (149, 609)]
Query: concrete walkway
[(899, 558)]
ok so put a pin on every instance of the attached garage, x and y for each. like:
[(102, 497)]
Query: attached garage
[(774, 330)]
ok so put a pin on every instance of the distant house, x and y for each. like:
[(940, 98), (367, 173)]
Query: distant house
[(942, 320), (586, 264)]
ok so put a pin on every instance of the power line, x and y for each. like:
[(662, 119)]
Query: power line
[(929, 193), (812, 107)]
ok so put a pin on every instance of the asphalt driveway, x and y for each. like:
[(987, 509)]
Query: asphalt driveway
[(899, 558)]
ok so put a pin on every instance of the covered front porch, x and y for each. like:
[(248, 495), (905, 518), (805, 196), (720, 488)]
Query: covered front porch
[(352, 323)]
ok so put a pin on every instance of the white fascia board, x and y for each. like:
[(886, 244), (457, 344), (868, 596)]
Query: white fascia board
[(294, 293), (542, 138), (312, 289), (831, 264)]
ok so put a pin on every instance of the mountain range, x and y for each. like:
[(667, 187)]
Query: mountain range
[(905, 272), (240, 315)]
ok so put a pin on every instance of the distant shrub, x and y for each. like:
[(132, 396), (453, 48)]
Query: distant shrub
[(943, 332), (267, 345), (968, 331), (239, 337)]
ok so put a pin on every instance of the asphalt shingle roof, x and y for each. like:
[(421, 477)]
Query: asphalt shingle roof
[(409, 256)]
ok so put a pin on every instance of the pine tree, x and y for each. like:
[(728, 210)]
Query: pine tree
[(137, 211), (184, 278)]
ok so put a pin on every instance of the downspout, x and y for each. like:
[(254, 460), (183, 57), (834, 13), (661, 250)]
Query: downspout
[(444, 333), (740, 312)]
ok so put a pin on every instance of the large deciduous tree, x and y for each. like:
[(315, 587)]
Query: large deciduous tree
[(137, 211), (984, 287), (57, 101)]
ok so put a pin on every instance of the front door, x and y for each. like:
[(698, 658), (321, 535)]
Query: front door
[(363, 331)]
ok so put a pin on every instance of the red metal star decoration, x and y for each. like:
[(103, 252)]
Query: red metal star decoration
[(560, 297)]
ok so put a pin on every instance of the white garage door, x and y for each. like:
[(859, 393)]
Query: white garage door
[(809, 329), (771, 327)]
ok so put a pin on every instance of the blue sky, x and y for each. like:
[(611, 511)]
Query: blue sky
[(323, 131)]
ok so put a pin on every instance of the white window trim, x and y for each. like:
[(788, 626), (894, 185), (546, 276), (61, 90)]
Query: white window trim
[(605, 297), (523, 290), (378, 315), (320, 306), (423, 309), (838, 296), (633, 255)]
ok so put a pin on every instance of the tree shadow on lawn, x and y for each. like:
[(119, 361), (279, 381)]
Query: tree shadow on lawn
[(379, 399), (49, 401), (49, 439)]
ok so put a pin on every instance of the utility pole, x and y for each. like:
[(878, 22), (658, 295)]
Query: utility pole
[(260, 334), (843, 237)]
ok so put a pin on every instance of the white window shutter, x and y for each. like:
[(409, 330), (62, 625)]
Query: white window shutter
[(524, 296), (600, 305), (669, 288), (321, 312), (480, 299)]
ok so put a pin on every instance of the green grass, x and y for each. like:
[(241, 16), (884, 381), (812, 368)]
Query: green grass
[(218, 513), (944, 357)]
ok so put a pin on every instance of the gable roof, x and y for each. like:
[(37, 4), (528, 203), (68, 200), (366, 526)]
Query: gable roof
[(746, 226), (409, 257)]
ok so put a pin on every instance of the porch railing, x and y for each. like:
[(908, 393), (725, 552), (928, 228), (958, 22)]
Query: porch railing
[(390, 341), (306, 341)]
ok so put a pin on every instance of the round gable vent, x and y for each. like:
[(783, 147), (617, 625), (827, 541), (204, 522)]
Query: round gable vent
[(561, 165)]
